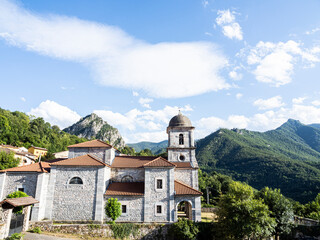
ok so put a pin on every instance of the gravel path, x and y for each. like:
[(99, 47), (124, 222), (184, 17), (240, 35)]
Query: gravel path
[(36, 236)]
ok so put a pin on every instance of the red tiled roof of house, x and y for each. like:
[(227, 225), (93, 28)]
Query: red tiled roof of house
[(35, 167), (159, 162), (131, 161), (184, 189), (125, 189), (85, 160), (39, 148), (17, 202), (93, 143), (185, 165)]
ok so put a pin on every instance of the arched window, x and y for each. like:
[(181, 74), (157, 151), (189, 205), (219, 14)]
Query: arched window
[(127, 178), (181, 142), (76, 180)]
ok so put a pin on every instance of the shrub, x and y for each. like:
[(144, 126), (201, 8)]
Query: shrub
[(35, 230), (113, 208), (15, 236), (123, 230), (17, 194), (183, 230)]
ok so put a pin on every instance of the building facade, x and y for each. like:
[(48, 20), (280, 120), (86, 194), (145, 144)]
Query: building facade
[(150, 189)]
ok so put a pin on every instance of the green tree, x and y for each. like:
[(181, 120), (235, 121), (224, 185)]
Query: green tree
[(113, 208), (312, 209), (281, 209), (7, 160), (184, 230), (17, 194), (240, 215)]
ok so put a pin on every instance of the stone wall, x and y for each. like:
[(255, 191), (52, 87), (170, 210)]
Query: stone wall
[(5, 218), (71, 201), (118, 173), (184, 176), (76, 152), (145, 231), (135, 209), (154, 197), (26, 180)]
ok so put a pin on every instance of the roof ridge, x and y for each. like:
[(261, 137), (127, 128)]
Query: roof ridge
[(96, 159), (18, 167), (187, 186), (157, 159)]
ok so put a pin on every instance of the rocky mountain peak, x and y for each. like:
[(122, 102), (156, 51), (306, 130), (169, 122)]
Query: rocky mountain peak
[(92, 126)]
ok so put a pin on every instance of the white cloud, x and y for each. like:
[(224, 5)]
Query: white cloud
[(259, 122), (312, 31), (270, 103), (55, 114), (275, 61), (205, 3), (135, 118), (235, 75), (22, 99), (116, 58), (135, 94), (316, 102), (230, 27), (239, 95), (298, 100), (145, 102)]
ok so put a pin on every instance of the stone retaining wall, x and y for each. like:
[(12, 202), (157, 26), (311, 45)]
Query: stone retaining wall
[(146, 231)]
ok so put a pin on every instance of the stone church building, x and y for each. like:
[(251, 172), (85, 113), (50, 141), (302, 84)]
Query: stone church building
[(148, 188)]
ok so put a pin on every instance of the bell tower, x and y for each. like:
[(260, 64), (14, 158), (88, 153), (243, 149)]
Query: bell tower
[(181, 146)]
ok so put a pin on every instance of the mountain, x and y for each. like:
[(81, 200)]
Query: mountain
[(156, 148), (92, 126), (287, 158)]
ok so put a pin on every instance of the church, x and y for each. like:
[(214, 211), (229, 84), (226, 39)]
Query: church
[(150, 189)]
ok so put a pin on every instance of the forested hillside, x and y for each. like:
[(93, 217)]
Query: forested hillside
[(287, 158), (156, 148), (18, 129)]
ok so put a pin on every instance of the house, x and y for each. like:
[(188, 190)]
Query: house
[(25, 158), (150, 189), (38, 151)]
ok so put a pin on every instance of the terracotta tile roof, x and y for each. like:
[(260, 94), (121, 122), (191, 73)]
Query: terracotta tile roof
[(17, 202), (186, 165), (184, 189), (85, 160), (35, 167), (159, 162), (125, 189), (92, 143), (39, 148), (131, 161)]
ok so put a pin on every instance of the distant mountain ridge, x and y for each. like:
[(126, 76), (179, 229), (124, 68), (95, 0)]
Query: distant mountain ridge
[(92, 126), (287, 157), (156, 148)]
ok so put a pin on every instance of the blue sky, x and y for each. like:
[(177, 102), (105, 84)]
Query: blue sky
[(245, 64)]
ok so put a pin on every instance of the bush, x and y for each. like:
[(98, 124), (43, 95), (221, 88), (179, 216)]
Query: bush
[(35, 230), (123, 230), (15, 236), (17, 194), (113, 208), (183, 230)]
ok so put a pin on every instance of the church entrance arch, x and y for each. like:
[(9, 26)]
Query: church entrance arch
[(184, 210)]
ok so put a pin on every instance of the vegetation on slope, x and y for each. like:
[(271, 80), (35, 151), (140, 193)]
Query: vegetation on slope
[(18, 129), (284, 158)]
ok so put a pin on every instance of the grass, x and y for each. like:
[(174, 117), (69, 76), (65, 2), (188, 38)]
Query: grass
[(207, 217)]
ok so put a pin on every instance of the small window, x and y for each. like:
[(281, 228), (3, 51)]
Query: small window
[(76, 180), (21, 189), (124, 209), (159, 184), (182, 157), (181, 142), (127, 178), (159, 209)]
